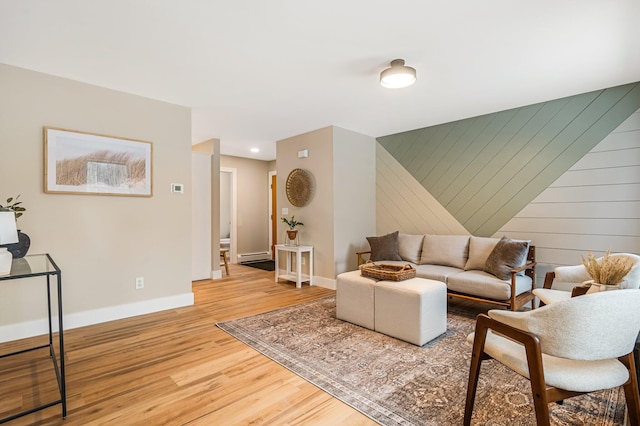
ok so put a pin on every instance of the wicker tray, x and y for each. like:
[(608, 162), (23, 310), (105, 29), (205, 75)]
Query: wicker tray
[(387, 272)]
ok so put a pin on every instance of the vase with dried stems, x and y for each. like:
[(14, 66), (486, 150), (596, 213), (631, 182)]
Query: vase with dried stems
[(606, 273)]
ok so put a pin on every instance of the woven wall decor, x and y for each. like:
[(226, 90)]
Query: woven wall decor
[(299, 187)]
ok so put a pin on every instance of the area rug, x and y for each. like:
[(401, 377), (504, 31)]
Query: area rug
[(396, 383), (265, 265)]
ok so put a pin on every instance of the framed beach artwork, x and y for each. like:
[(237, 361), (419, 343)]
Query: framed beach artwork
[(88, 163)]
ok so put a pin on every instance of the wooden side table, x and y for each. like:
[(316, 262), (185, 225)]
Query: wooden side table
[(296, 275)]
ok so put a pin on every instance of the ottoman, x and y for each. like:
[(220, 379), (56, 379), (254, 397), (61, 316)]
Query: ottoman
[(354, 298), (413, 310)]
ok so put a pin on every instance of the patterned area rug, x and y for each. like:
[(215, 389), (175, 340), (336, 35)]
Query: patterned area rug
[(396, 383)]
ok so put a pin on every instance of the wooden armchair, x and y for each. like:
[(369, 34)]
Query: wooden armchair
[(580, 357), (572, 277)]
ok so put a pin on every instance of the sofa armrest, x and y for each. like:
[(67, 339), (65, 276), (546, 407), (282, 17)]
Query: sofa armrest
[(530, 265), (360, 259), (529, 270)]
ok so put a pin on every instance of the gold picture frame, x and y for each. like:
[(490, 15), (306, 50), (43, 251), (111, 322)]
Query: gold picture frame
[(89, 163)]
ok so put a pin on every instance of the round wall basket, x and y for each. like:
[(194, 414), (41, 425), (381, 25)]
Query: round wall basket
[(299, 187)]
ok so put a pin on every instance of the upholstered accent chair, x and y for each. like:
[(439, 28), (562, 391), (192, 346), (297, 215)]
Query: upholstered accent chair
[(565, 349), (559, 283)]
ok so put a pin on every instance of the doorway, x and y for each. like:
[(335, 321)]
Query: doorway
[(228, 211)]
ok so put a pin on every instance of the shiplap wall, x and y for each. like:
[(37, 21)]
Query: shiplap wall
[(485, 169), (594, 206), (405, 205)]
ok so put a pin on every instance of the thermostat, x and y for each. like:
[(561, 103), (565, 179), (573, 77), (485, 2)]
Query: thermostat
[(177, 188)]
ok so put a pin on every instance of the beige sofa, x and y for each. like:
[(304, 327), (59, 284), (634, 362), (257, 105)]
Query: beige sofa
[(492, 270)]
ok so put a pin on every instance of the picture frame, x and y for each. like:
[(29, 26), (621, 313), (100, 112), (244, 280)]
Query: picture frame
[(78, 162)]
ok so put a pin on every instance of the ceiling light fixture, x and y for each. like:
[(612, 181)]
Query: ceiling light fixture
[(255, 150), (398, 76)]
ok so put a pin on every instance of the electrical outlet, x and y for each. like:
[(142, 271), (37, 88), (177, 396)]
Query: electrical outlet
[(302, 259), (139, 283)]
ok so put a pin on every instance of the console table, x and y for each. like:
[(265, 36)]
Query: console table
[(296, 275), (42, 265)]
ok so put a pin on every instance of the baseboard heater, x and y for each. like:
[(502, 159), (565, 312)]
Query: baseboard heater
[(253, 257)]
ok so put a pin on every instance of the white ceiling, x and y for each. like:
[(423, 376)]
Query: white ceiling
[(255, 72)]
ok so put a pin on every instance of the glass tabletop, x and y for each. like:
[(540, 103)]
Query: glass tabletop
[(30, 266)]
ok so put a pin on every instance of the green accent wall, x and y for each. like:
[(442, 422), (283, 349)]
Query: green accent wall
[(485, 169)]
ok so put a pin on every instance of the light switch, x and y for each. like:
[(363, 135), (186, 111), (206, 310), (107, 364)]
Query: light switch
[(177, 188), (285, 211)]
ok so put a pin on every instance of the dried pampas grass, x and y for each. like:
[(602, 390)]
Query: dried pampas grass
[(611, 270)]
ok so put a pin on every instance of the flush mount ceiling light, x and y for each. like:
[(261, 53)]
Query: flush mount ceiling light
[(398, 76)]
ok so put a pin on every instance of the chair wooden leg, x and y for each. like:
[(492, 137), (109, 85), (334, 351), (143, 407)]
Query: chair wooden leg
[(631, 390), (538, 385), (477, 355), (474, 372)]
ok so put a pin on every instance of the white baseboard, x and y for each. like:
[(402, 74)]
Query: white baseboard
[(324, 282), (216, 275), (96, 316)]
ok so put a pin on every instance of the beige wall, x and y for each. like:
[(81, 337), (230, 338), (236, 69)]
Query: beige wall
[(253, 203), (341, 213), (101, 243), (317, 215), (354, 194)]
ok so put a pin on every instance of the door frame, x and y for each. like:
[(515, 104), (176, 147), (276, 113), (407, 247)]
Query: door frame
[(233, 248), (273, 203)]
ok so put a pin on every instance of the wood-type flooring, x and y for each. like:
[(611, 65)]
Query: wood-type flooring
[(175, 367)]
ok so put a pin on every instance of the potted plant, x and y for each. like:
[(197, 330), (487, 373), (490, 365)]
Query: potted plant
[(14, 205), (20, 248), (608, 272), (292, 232)]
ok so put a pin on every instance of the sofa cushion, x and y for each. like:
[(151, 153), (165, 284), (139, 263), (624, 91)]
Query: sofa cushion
[(384, 247), (447, 250), (436, 272), (410, 247), (508, 254), (485, 285), (479, 250)]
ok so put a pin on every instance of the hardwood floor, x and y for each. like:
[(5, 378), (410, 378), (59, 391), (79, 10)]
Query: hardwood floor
[(175, 367)]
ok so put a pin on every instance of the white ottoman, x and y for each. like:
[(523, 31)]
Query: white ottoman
[(413, 310), (354, 299)]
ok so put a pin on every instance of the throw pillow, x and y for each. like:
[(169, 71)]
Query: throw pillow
[(505, 256), (479, 250), (384, 247), (410, 247), (447, 250)]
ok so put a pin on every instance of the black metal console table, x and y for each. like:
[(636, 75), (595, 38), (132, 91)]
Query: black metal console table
[(39, 265)]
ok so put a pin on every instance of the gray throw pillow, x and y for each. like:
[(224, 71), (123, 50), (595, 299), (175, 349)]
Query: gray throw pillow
[(384, 247), (508, 254)]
